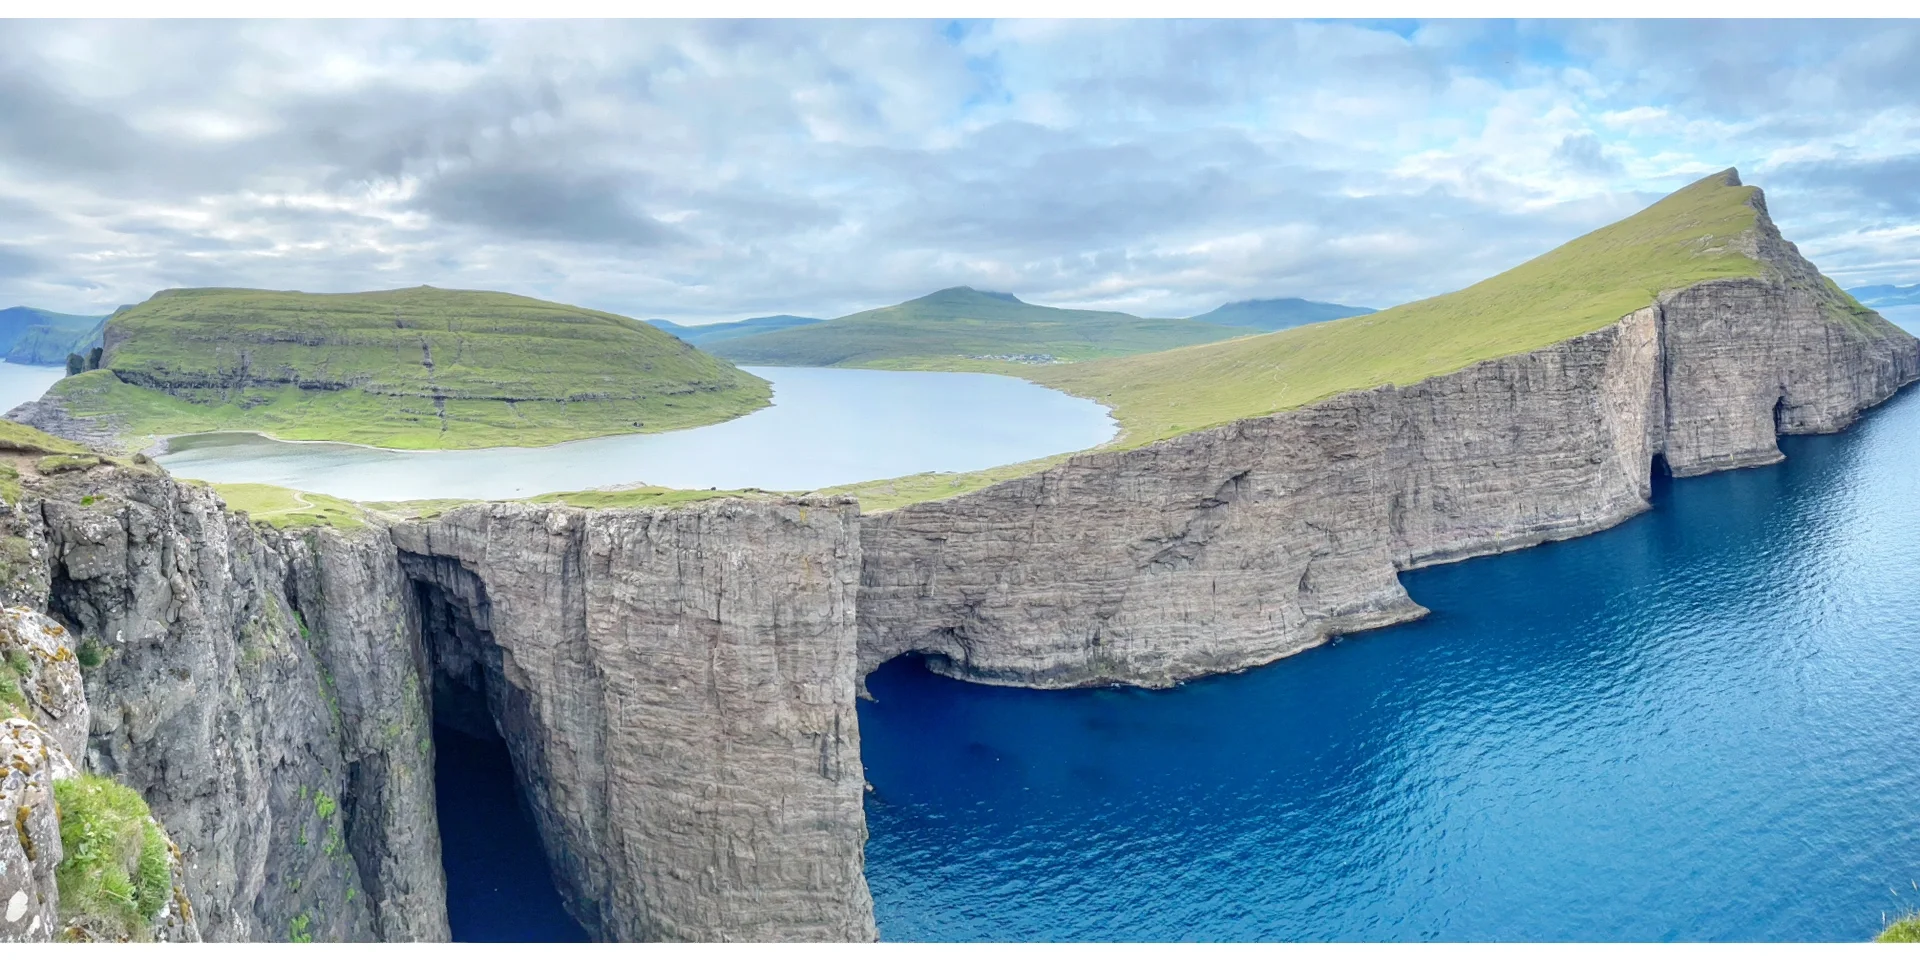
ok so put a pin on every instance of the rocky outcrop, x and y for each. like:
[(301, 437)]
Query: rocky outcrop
[(212, 654), (676, 688), (29, 831), (1234, 546)]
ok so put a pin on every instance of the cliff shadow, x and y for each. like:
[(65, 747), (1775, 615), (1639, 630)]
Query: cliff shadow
[(1659, 478), (500, 885)]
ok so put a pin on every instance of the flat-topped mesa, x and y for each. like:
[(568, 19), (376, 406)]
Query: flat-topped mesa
[(1216, 549), (419, 368)]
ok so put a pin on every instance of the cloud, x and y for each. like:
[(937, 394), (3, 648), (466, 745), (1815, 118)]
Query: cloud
[(709, 170), (548, 203), (15, 262), (1582, 153)]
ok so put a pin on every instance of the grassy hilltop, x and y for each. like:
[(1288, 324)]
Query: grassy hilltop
[(1695, 234), (1573, 289), (419, 368), (956, 328)]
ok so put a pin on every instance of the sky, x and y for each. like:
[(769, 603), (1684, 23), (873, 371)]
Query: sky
[(703, 171)]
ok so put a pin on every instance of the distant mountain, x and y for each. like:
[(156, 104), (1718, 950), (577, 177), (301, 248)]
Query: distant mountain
[(1278, 314), (705, 333), (1886, 295), (951, 328), (32, 335)]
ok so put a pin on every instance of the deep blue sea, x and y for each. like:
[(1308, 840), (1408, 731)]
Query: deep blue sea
[(499, 888), (1703, 724)]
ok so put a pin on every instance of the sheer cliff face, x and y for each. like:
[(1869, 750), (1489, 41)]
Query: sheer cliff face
[(676, 689), (1234, 546), (219, 697)]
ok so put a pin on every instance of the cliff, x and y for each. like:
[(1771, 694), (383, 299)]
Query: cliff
[(1228, 547), (676, 687), (216, 695)]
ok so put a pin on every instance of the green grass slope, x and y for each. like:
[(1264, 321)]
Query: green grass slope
[(1688, 237), (419, 368), (1278, 314), (962, 328)]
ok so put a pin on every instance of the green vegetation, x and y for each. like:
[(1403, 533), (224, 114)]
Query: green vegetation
[(1694, 235), (877, 495), (297, 929), (92, 653), (286, 509), (414, 369), (1904, 930), (639, 497), (18, 666), (66, 463), (116, 873), (1689, 237), (1278, 314), (19, 438), (944, 330)]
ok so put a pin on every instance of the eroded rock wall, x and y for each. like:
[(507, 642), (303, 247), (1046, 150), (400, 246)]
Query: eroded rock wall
[(676, 688), (218, 695), (1234, 546)]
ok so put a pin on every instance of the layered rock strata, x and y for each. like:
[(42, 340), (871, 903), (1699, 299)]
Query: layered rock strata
[(676, 686), (1237, 545), (217, 695), (676, 689)]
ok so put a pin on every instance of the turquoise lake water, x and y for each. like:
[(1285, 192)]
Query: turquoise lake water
[(826, 427), (1700, 725)]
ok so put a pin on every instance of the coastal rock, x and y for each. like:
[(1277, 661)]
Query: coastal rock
[(42, 682), (676, 688), (29, 832), (1233, 546), (211, 699)]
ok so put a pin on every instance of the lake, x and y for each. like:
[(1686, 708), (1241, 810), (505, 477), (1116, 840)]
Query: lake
[(826, 427), (1699, 725)]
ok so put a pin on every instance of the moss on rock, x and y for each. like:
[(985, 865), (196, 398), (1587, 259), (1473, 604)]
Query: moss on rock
[(116, 875)]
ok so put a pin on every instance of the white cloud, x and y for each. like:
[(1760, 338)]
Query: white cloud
[(709, 170)]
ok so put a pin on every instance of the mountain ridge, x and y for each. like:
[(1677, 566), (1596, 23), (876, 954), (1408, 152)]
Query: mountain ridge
[(962, 328)]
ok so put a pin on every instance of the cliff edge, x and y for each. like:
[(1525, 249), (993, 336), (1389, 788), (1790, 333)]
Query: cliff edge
[(1223, 548)]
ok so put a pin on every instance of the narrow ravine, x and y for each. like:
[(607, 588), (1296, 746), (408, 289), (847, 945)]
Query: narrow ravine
[(499, 889)]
